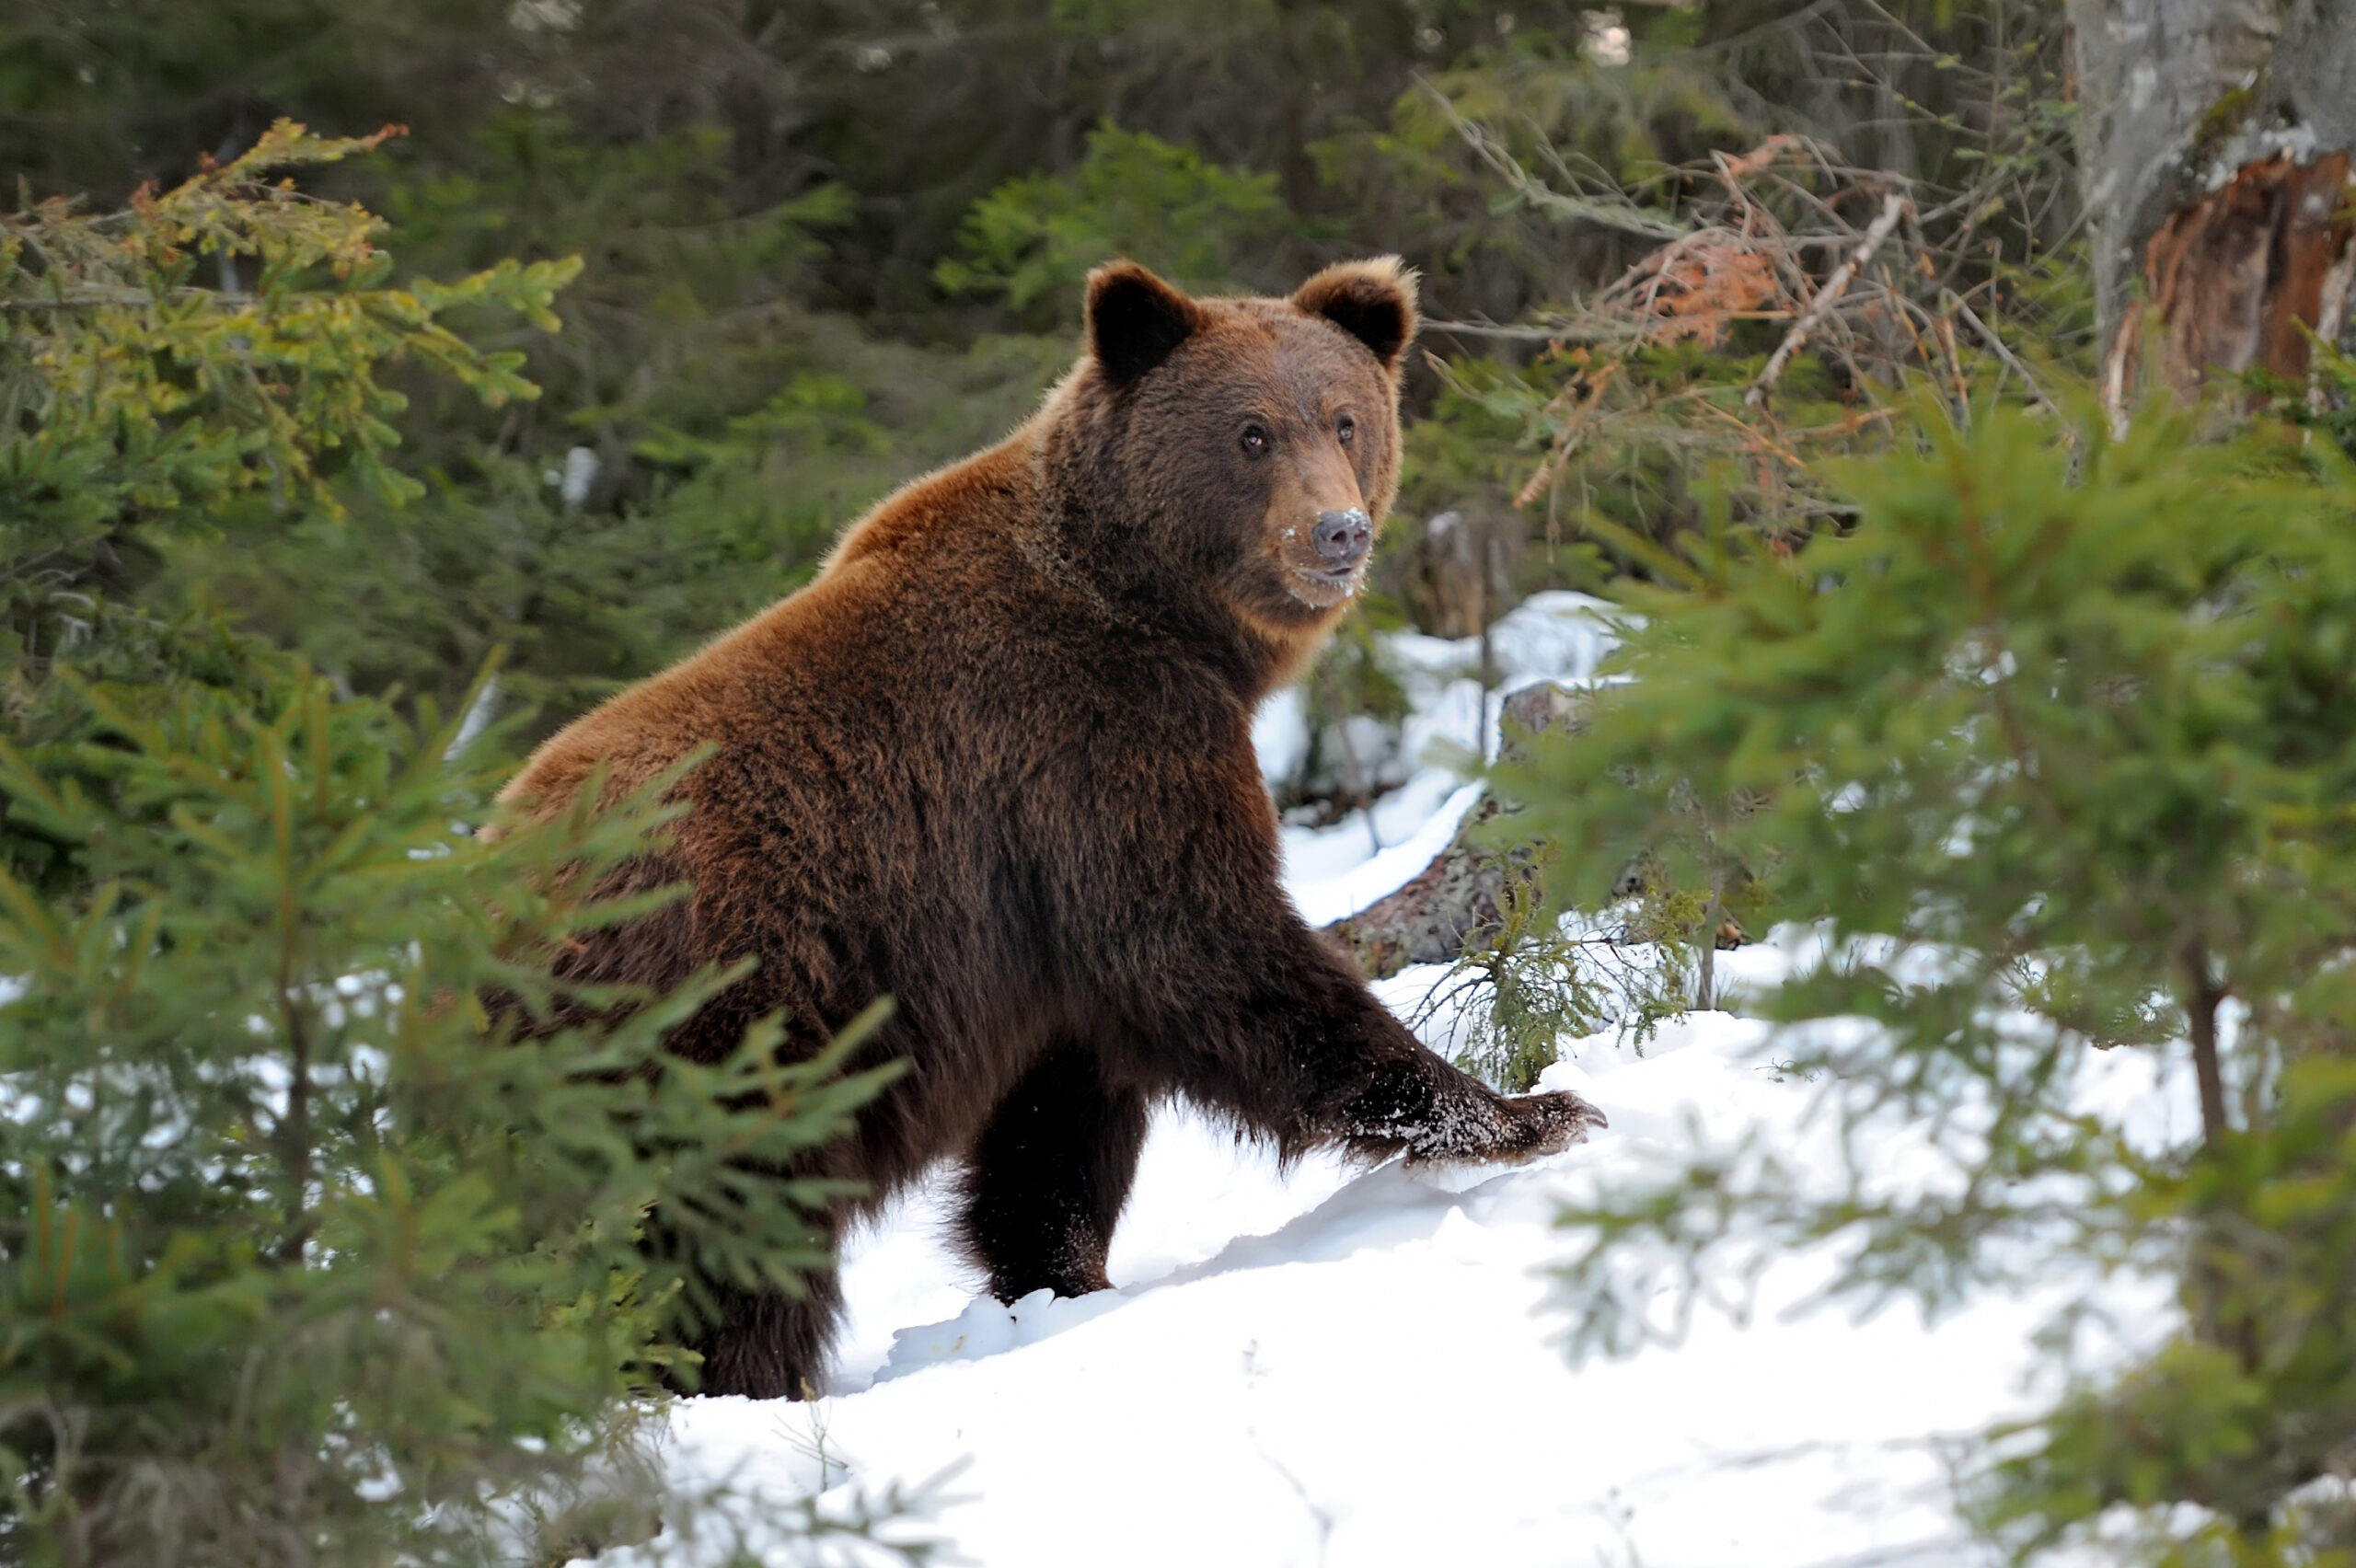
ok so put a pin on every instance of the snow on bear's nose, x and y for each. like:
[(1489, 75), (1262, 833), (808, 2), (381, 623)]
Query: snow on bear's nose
[(1343, 537)]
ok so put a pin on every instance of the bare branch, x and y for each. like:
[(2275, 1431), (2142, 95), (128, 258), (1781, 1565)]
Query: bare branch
[(1987, 335), (1623, 215), (1893, 208)]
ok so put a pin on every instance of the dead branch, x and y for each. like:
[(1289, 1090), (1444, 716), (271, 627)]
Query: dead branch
[(1987, 335), (1592, 331), (1622, 214), (1893, 208)]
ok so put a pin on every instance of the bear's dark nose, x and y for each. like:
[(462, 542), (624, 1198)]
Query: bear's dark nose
[(1343, 536)]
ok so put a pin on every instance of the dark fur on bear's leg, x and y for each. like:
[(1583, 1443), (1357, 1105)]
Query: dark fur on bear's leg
[(1045, 1183), (766, 1344)]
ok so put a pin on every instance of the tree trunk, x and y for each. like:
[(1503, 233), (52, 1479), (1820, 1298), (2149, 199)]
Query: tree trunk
[(2214, 140)]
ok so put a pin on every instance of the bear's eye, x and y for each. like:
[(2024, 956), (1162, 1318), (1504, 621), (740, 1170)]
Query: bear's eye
[(1345, 428), (1255, 439)]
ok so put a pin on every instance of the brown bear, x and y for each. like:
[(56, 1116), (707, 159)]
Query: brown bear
[(995, 763)]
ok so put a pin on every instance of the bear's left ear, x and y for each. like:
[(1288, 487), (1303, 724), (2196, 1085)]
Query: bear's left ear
[(1372, 301), (1135, 320)]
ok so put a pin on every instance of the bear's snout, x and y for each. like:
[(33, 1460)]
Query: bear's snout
[(1343, 537)]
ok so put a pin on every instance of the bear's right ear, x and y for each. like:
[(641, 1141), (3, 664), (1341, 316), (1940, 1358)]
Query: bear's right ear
[(1135, 320)]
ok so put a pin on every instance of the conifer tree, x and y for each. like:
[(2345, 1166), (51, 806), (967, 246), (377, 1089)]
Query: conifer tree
[(318, 1244), (2055, 746)]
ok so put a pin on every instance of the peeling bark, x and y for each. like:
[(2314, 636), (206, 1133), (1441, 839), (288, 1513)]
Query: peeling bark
[(1460, 896), (2215, 141), (2237, 277)]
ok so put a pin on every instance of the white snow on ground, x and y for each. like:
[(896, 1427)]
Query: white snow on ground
[(1340, 1369)]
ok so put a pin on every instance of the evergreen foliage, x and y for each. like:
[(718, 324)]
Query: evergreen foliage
[(1536, 981), (717, 434), (140, 398), (319, 1224), (1034, 238), (308, 1260), (766, 201), (2054, 745)]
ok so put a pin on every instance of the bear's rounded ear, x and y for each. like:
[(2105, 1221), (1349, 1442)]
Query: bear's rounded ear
[(1372, 301), (1135, 320)]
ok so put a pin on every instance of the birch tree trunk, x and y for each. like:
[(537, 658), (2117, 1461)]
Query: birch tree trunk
[(2214, 145)]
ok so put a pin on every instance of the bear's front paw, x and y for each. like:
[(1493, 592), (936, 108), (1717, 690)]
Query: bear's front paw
[(1541, 1124), (1508, 1130)]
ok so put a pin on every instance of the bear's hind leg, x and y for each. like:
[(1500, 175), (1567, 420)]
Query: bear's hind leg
[(1045, 1181), (768, 1345)]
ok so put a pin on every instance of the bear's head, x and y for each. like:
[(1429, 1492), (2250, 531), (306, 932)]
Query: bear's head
[(1253, 443)]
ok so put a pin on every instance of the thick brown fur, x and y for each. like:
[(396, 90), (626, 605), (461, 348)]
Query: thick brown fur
[(996, 762)]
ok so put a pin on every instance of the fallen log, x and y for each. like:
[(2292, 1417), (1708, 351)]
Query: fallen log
[(1460, 896), (1460, 899)]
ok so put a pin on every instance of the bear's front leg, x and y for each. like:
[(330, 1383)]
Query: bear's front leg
[(1453, 1118), (1269, 1021)]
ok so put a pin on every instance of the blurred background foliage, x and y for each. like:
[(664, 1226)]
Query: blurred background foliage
[(824, 247)]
